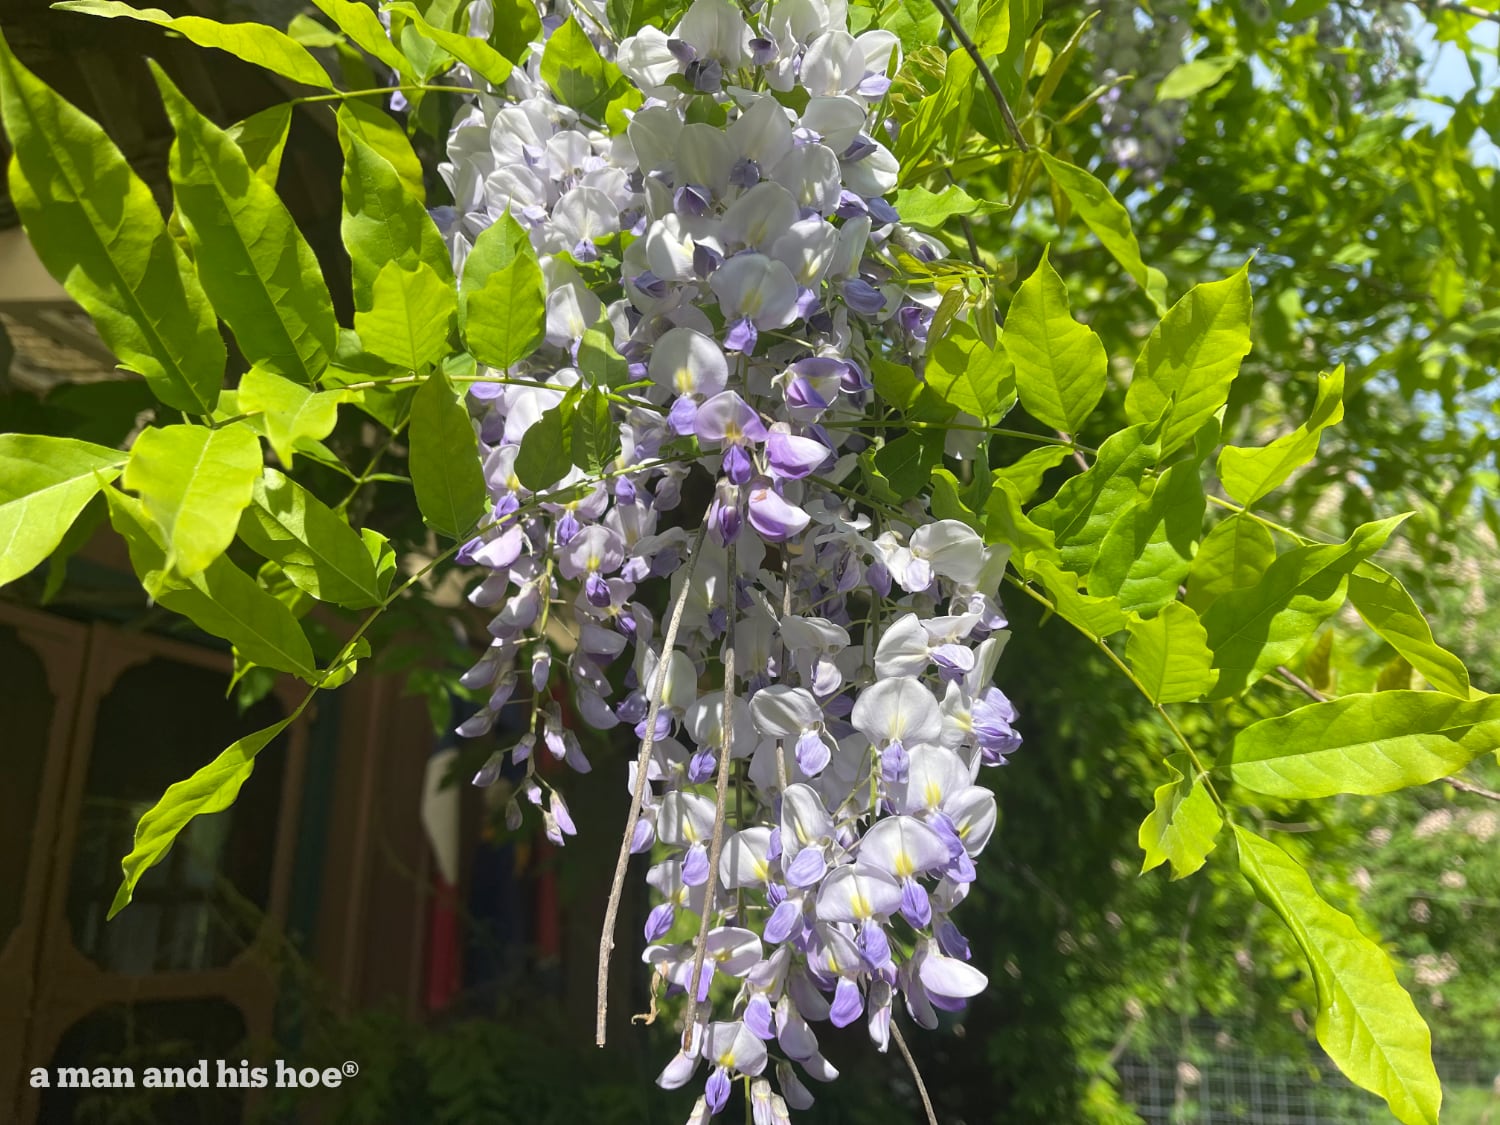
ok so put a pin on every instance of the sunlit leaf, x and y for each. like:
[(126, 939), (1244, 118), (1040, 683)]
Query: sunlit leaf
[(1145, 554), (1249, 474), (289, 411), (45, 482), (503, 298), (1233, 556), (964, 372), (1387, 608), (410, 318), (1184, 823), (1169, 655), (445, 469)]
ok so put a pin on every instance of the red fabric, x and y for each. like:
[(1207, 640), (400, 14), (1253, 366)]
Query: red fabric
[(445, 951)]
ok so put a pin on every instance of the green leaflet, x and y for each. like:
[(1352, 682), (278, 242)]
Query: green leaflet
[(940, 118), (1098, 617), (1233, 556), (119, 264), (596, 437), (316, 548), (1061, 368), (1191, 357), (1005, 522), (1026, 471), (1109, 221), (255, 265), (194, 482), (932, 210), (383, 222), (1169, 655), (908, 461), (1368, 743), (476, 54), (1086, 506), (1189, 78), (1145, 554), (1366, 1021), (601, 364), (256, 43), (1253, 630), (502, 310), (580, 76), (360, 23), (948, 504), (262, 138), (516, 25), (1184, 824), (222, 599), (626, 17), (410, 319), (445, 470), (212, 789), (289, 411), (384, 134), (965, 372), (1249, 474), (898, 386), (546, 454), (45, 482), (1388, 609)]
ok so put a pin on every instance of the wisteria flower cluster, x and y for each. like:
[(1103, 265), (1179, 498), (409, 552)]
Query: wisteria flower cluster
[(829, 662)]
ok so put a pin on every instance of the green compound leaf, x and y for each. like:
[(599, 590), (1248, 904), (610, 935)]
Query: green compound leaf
[(256, 43), (580, 76), (194, 482), (932, 210), (383, 222), (384, 134), (317, 550), (1251, 631), (1109, 221), (476, 54), (1030, 543), (502, 310), (1388, 609), (1249, 474), (1170, 656), (212, 789), (1098, 617), (1189, 78), (360, 23), (1184, 824), (45, 482), (1026, 472), (967, 373), (118, 262), (289, 412), (1366, 1021), (596, 437), (262, 138), (1145, 554), (1061, 368), (546, 454), (908, 461), (255, 265), (410, 319), (1233, 556), (222, 599), (1191, 357), (1370, 744), (445, 470)]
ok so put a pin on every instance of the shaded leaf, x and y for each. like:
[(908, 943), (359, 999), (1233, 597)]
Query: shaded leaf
[(445, 470), (1145, 554), (262, 138), (1233, 556), (1086, 506), (546, 455), (908, 461), (1026, 471)]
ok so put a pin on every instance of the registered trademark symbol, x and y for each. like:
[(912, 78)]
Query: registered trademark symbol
[(351, 1068)]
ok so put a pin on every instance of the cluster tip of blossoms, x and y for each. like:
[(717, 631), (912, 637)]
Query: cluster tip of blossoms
[(748, 280)]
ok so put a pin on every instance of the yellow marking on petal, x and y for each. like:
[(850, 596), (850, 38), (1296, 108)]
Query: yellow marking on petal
[(726, 1060), (683, 380), (762, 871), (833, 963), (593, 562), (861, 904), (933, 793), (904, 865)]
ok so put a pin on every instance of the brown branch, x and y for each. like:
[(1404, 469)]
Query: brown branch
[(721, 793), (1470, 787), (946, 10), (1300, 684), (911, 1064), (638, 792)]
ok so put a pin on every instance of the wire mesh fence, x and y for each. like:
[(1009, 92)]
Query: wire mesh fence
[(1211, 1084)]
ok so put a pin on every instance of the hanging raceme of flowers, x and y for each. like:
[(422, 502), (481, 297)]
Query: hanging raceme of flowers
[(834, 665)]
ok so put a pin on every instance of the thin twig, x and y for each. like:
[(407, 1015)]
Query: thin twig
[(1300, 684), (946, 10), (721, 793), (638, 791), (911, 1064), (1470, 787), (1467, 10)]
